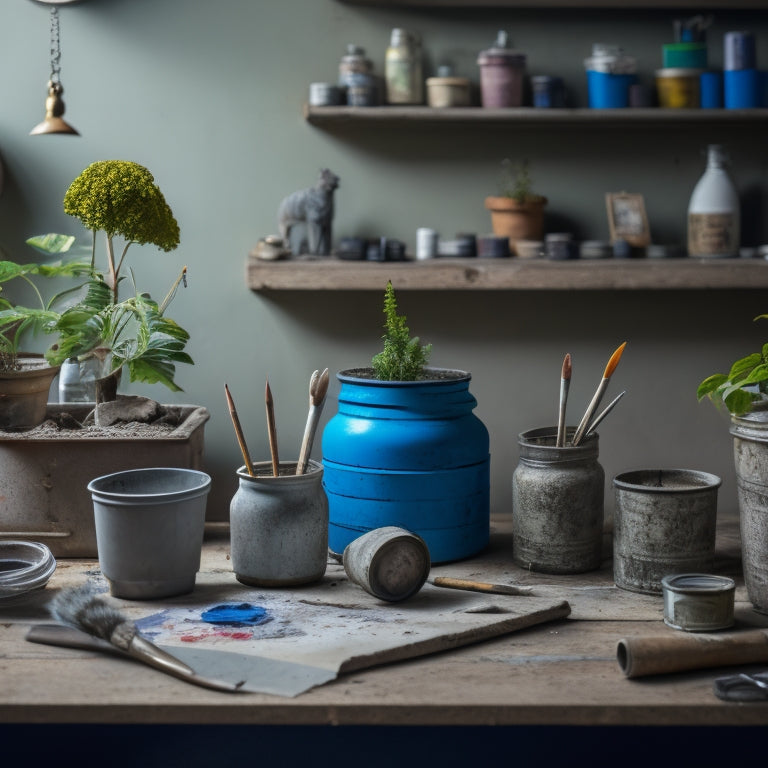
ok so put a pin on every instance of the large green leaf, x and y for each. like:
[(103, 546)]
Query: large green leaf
[(51, 243)]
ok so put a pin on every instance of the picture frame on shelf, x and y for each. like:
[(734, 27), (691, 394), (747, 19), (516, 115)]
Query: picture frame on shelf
[(627, 219)]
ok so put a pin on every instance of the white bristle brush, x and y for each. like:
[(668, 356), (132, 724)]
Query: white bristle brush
[(80, 608)]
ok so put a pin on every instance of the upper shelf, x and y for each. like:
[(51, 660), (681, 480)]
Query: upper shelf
[(330, 274), (616, 5), (327, 116)]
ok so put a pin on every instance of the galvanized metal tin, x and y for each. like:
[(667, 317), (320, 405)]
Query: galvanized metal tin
[(698, 602), (390, 563), (557, 504), (664, 523)]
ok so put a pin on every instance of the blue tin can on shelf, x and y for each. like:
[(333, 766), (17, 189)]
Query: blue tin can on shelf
[(711, 89), (410, 454), (608, 90), (548, 91), (742, 88), (610, 73)]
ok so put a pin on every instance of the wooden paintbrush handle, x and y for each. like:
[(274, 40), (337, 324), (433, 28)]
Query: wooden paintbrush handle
[(640, 656), (479, 586)]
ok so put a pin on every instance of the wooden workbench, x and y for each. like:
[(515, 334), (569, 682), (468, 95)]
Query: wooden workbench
[(556, 674)]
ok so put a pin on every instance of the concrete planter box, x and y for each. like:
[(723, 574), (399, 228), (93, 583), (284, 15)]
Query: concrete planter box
[(44, 478)]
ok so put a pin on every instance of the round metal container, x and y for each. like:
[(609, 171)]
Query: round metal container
[(698, 602), (389, 563), (664, 523), (557, 504)]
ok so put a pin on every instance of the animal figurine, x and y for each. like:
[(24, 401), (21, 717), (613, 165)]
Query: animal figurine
[(305, 216)]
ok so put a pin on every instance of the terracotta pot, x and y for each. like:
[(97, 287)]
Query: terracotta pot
[(515, 220), (24, 393)]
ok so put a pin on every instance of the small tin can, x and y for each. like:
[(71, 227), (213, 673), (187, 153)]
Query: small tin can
[(560, 246), (739, 51), (426, 243), (325, 95), (698, 602), (548, 91), (390, 563)]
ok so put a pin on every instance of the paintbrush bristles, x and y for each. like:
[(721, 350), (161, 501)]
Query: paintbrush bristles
[(80, 608), (614, 361), (566, 371)]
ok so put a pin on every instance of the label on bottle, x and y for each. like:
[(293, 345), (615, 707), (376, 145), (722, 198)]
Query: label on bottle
[(403, 81), (712, 234)]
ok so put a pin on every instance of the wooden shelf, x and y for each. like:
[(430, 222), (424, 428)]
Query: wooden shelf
[(330, 274), (522, 116), (616, 5)]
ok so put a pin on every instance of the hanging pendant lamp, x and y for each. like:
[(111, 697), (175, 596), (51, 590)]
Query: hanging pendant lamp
[(54, 104)]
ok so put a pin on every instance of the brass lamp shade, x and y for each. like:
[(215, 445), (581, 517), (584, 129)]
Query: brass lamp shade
[(54, 109)]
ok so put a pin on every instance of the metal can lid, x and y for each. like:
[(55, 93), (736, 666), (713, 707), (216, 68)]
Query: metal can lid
[(697, 583)]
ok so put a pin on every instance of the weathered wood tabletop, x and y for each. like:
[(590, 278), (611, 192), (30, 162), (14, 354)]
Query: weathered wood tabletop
[(562, 672)]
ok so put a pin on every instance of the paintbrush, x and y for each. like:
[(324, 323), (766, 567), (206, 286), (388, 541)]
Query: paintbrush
[(79, 608), (318, 387), (479, 586), (598, 396), (565, 382), (608, 408), (239, 431), (272, 430)]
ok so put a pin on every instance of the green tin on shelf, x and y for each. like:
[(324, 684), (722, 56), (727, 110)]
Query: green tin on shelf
[(684, 55)]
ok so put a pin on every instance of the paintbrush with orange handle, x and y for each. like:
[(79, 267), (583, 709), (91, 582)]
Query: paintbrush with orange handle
[(598, 396), (272, 430), (239, 431), (565, 382)]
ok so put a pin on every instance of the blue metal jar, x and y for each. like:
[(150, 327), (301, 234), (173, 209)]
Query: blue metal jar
[(410, 454)]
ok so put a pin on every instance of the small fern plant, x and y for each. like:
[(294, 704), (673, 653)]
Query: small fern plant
[(403, 358)]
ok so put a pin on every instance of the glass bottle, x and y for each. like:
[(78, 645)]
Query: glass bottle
[(713, 211), (402, 69)]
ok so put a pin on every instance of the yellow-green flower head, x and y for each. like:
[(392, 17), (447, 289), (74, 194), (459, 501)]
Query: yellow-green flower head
[(121, 198)]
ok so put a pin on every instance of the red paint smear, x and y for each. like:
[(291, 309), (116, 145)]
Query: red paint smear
[(219, 633)]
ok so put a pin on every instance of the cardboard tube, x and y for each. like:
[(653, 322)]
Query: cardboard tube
[(639, 656)]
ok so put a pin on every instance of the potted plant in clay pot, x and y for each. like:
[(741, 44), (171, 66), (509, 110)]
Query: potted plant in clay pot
[(405, 449), (742, 393), (78, 442), (26, 377), (517, 212)]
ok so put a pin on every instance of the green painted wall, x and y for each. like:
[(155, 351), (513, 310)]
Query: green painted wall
[(208, 95)]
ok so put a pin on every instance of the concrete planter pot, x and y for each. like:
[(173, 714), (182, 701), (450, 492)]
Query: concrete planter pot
[(24, 393), (44, 475), (149, 529), (750, 453)]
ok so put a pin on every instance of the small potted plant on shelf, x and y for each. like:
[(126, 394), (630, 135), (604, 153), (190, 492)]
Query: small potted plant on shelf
[(405, 449), (517, 212), (25, 377), (103, 321), (742, 392)]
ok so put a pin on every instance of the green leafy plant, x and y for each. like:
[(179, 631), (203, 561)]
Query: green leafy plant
[(119, 199), (16, 321), (403, 358), (742, 386), (516, 181)]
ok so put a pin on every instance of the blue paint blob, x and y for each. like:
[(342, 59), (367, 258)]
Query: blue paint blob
[(236, 615)]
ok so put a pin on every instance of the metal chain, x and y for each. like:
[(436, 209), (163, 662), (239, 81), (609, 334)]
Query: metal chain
[(55, 46)]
